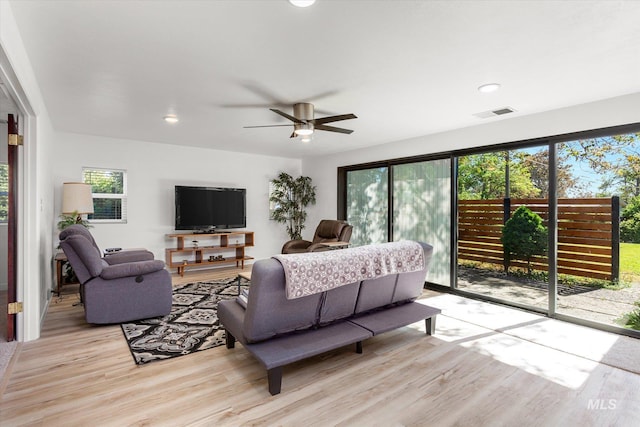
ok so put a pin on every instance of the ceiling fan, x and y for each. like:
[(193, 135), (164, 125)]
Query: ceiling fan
[(304, 124)]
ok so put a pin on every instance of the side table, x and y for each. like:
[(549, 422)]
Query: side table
[(60, 259), (243, 275)]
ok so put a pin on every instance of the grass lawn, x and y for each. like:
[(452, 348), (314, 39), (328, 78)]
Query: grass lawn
[(630, 261)]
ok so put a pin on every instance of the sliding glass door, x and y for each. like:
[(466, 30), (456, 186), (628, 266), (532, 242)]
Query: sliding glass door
[(599, 229), (368, 205), (422, 211), (551, 225), (410, 201), (503, 225)]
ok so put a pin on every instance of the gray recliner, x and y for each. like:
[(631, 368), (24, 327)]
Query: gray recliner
[(116, 292), (128, 255), (329, 230)]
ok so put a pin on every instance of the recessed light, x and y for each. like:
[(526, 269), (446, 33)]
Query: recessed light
[(171, 118), (489, 87), (302, 3)]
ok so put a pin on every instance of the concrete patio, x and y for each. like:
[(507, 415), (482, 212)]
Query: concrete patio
[(596, 304)]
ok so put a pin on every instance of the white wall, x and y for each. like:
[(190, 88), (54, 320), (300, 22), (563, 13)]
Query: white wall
[(34, 264), (152, 172), (611, 112), (38, 209)]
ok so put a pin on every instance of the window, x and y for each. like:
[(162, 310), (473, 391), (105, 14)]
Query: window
[(4, 192), (109, 189)]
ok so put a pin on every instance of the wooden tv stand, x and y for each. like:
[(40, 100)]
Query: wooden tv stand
[(209, 249)]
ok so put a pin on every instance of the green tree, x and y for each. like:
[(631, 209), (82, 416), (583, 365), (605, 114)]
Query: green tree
[(523, 237), (616, 159), (630, 221), (290, 197), (104, 181), (629, 177), (483, 176), (538, 166)]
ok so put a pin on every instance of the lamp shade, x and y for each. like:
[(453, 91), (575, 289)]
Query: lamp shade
[(76, 197)]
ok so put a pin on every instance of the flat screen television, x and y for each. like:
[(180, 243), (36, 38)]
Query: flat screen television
[(210, 208)]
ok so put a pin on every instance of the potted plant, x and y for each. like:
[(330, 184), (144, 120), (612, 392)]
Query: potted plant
[(70, 219), (290, 197)]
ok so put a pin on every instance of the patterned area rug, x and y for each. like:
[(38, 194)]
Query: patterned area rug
[(191, 326)]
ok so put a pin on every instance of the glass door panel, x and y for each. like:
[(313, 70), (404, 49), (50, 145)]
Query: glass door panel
[(502, 225), (422, 211), (368, 205), (599, 229)]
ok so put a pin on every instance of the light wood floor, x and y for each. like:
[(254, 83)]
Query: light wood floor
[(465, 374)]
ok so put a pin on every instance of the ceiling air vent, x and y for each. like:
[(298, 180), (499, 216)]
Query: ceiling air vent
[(494, 113)]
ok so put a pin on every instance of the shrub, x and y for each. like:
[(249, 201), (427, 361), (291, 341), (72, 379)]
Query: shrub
[(523, 236), (630, 222), (633, 318)]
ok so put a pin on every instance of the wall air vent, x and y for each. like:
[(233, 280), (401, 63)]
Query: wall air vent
[(494, 113)]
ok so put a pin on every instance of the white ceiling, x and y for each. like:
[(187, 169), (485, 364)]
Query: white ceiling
[(405, 68)]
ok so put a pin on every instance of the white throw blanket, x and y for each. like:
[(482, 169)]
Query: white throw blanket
[(315, 272)]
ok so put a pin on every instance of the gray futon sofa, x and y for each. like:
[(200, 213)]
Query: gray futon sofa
[(279, 330)]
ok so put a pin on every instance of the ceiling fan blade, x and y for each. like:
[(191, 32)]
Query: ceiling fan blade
[(293, 134), (288, 116), (332, 129), (337, 118), (265, 126)]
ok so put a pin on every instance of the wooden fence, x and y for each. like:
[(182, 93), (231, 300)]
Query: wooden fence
[(588, 234)]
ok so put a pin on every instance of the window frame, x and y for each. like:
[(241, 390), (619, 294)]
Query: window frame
[(116, 196)]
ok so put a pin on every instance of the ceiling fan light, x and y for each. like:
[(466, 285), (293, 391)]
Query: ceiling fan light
[(171, 118), (302, 3), (303, 129), (306, 138), (304, 132)]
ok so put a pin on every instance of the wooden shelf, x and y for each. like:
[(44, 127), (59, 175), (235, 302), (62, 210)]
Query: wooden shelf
[(199, 256)]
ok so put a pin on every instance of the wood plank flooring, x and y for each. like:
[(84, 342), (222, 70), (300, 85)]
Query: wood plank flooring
[(465, 374)]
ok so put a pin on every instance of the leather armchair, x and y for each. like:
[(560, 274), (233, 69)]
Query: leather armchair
[(118, 292), (329, 230)]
